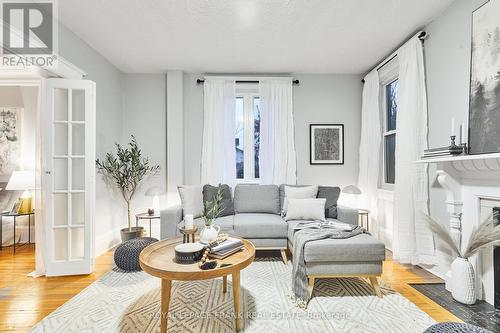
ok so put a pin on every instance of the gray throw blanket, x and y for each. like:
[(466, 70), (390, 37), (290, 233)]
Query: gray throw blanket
[(307, 234)]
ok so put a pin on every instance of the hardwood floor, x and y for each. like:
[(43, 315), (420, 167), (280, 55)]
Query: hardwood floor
[(24, 300), (399, 277)]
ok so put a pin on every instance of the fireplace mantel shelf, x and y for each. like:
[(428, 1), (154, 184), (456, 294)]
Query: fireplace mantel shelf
[(482, 162)]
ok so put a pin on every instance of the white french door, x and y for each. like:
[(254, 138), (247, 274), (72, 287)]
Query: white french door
[(68, 180)]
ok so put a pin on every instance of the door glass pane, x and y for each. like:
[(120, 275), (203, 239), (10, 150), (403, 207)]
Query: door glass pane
[(60, 176), (78, 139), (78, 105), (256, 134), (390, 149), (61, 104), (78, 174), (77, 208), (60, 209), (61, 244), (391, 91), (239, 135), (77, 243), (60, 139)]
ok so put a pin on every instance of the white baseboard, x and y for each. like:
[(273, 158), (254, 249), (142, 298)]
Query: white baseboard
[(435, 272), (107, 241)]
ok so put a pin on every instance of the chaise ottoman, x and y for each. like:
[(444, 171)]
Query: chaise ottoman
[(358, 256)]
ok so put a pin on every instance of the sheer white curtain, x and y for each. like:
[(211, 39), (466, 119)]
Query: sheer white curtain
[(413, 243), (369, 147), (277, 158), (218, 164)]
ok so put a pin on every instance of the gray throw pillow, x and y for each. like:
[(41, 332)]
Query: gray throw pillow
[(257, 199), (210, 193), (191, 199), (331, 194)]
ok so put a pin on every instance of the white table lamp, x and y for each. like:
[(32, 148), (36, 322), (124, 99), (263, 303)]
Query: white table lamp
[(155, 192), (352, 192), (23, 181)]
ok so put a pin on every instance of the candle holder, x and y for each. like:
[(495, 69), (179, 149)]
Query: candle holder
[(454, 149), (465, 149)]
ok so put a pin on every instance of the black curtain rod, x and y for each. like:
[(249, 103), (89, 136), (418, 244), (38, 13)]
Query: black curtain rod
[(200, 81), (421, 37)]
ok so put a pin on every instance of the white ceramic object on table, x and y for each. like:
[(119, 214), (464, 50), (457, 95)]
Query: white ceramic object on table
[(209, 233)]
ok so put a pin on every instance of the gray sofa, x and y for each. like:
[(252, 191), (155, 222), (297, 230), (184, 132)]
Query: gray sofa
[(257, 218)]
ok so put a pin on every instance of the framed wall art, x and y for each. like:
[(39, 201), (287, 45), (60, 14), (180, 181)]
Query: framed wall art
[(326, 144)]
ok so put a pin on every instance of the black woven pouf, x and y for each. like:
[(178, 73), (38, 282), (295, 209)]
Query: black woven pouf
[(127, 253), (450, 327)]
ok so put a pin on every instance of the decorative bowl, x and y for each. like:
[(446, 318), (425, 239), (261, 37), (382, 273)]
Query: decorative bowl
[(188, 253)]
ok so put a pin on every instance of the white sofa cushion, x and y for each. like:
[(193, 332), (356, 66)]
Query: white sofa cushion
[(292, 192), (306, 209), (191, 199)]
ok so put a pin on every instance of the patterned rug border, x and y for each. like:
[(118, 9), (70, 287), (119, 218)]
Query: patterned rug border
[(129, 302)]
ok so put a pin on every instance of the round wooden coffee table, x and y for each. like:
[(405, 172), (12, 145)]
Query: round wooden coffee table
[(158, 260)]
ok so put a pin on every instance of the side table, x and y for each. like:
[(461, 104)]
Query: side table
[(146, 216), (15, 216), (186, 232), (364, 221)]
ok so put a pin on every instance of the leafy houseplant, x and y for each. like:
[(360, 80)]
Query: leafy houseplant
[(482, 237), (126, 170), (211, 210)]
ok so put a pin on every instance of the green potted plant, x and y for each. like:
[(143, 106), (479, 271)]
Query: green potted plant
[(486, 235), (211, 211), (126, 171)]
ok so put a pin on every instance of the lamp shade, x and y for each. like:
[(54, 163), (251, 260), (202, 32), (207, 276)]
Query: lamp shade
[(21, 181), (154, 191), (351, 189)]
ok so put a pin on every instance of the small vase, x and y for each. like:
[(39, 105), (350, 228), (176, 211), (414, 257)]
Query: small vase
[(209, 234), (463, 283)]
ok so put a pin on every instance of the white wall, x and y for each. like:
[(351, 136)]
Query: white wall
[(447, 58), (29, 148), (328, 98), (110, 211), (144, 116)]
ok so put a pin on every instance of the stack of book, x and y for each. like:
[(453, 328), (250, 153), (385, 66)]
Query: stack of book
[(226, 248), (442, 151)]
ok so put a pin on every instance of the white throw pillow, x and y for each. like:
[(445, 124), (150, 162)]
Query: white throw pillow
[(191, 199), (304, 192), (306, 209)]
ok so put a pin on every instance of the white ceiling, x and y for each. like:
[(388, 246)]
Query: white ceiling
[(246, 36)]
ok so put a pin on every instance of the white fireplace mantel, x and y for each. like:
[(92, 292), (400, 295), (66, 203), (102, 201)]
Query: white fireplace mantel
[(465, 163), (453, 172), (467, 179)]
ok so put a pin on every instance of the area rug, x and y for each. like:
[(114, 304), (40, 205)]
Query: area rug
[(130, 302)]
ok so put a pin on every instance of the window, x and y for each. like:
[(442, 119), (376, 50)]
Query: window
[(247, 137), (391, 112)]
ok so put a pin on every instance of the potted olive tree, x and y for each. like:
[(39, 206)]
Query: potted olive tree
[(126, 171)]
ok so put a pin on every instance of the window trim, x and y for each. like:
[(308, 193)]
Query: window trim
[(248, 138), (387, 74)]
